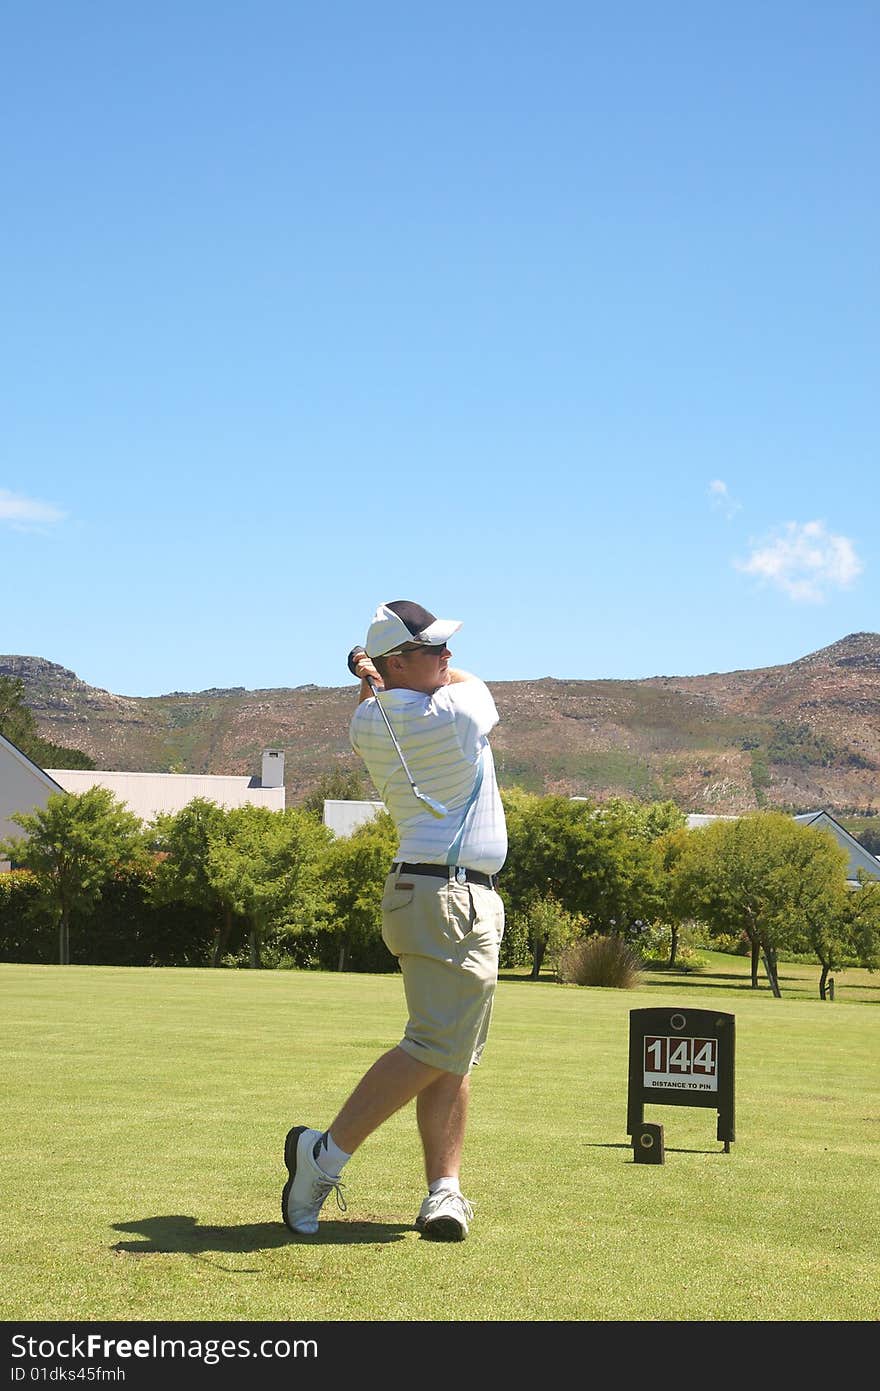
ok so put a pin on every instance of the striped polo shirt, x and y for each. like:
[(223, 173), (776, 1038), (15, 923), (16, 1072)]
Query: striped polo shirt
[(443, 738)]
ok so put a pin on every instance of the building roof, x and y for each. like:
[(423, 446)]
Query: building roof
[(23, 786), (859, 857), (21, 759), (148, 794)]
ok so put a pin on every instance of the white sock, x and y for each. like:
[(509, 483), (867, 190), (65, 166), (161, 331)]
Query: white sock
[(451, 1185), (328, 1156)]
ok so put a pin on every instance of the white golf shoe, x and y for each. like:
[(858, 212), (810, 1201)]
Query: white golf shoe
[(307, 1187), (444, 1216)]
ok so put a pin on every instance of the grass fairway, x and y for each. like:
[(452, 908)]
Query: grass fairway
[(146, 1112)]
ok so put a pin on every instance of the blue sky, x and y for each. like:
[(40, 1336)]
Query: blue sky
[(561, 319)]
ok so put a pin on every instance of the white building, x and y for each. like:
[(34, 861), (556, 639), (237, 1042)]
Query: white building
[(696, 819), (859, 857), (24, 787), (147, 794), (344, 817)]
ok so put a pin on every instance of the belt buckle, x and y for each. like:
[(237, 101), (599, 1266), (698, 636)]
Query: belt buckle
[(461, 874)]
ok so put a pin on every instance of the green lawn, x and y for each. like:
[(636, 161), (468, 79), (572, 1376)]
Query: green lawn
[(146, 1111)]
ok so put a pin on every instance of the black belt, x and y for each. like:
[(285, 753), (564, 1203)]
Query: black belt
[(459, 873)]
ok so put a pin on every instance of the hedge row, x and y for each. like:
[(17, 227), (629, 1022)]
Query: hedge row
[(126, 928)]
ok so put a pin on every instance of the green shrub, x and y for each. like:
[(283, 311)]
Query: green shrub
[(515, 950), (654, 945), (607, 961), (124, 928), (28, 930), (540, 931), (736, 944)]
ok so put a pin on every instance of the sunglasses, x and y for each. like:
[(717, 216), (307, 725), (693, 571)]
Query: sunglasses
[(421, 647)]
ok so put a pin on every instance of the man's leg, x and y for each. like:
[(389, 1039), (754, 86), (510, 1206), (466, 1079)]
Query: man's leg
[(441, 1111), (392, 1081), (442, 1115)]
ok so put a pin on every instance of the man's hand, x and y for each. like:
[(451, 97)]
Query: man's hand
[(360, 665)]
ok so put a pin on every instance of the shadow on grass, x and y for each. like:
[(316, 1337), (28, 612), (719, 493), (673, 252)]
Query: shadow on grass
[(183, 1235), (656, 976), (670, 1149), (716, 981), (545, 978)]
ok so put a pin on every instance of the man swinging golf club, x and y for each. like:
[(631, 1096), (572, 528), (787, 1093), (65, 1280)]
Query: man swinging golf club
[(420, 727)]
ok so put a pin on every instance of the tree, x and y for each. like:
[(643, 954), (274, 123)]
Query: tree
[(647, 840), (645, 821), (267, 867), (17, 724), (548, 838), (550, 929), (74, 845), (869, 837), (864, 922), (183, 841), (842, 925), (674, 907), (16, 720), (595, 862), (355, 869), (764, 874), (815, 912), (341, 785)]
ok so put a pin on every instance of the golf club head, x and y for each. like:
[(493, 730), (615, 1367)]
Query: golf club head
[(435, 808)]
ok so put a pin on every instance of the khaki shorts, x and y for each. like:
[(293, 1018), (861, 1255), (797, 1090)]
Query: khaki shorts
[(446, 937)]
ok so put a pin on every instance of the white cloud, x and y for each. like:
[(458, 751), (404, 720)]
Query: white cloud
[(25, 513), (719, 494), (804, 560)]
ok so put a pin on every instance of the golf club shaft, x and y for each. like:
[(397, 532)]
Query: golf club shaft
[(435, 808)]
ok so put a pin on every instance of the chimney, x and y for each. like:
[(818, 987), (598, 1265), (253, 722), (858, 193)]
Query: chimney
[(273, 768)]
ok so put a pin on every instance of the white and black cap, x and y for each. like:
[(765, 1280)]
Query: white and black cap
[(402, 624)]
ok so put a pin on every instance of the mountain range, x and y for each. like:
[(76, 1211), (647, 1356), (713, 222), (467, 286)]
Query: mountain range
[(798, 736)]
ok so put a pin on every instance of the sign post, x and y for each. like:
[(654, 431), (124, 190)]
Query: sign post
[(681, 1057)]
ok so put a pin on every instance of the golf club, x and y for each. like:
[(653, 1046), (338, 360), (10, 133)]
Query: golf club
[(435, 808)]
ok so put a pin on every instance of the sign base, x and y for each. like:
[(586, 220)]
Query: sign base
[(648, 1146)]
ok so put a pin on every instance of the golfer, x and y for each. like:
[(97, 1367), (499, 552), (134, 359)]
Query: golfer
[(441, 914)]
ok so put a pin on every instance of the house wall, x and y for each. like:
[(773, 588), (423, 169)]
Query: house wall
[(19, 791), (23, 787), (344, 817), (146, 794), (859, 857)]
